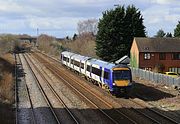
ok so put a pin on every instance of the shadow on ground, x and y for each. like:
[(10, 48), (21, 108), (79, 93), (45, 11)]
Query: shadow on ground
[(93, 116), (7, 113), (149, 93)]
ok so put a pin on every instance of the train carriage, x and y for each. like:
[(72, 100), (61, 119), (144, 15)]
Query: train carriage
[(115, 78), (98, 70), (66, 58), (78, 63)]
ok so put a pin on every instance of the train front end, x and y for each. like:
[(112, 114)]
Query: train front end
[(122, 80)]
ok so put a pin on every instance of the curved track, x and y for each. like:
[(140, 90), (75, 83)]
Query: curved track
[(116, 117), (151, 115)]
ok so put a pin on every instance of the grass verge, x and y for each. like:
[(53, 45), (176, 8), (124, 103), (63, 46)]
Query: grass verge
[(7, 112)]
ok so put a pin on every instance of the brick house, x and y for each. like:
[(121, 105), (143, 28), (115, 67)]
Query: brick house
[(156, 54)]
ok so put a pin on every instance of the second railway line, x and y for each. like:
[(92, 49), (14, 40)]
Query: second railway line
[(109, 110), (153, 118)]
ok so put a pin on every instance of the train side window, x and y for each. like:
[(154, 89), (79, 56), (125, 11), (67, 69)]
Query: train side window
[(82, 65), (96, 71), (76, 63), (72, 61), (106, 75), (64, 58), (88, 68), (67, 59)]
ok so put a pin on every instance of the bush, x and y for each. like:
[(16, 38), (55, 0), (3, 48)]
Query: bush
[(7, 43), (84, 45), (7, 80)]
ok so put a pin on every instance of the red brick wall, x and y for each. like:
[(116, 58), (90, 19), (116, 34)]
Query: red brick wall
[(168, 62)]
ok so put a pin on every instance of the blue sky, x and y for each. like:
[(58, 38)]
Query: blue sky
[(60, 17)]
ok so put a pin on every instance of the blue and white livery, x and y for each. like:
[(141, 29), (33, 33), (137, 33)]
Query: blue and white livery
[(115, 78)]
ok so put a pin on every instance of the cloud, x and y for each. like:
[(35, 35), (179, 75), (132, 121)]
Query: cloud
[(160, 17), (55, 23), (51, 15), (62, 16), (166, 2)]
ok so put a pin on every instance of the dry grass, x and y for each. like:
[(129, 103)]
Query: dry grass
[(46, 44), (7, 89), (7, 82), (84, 45)]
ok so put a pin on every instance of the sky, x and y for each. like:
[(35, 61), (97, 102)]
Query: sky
[(59, 18)]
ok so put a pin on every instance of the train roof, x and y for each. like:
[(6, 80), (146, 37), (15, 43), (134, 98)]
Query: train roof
[(101, 63), (67, 53), (121, 66), (80, 57)]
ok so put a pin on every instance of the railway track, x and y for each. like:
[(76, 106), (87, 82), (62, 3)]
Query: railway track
[(116, 116), (153, 115), (44, 76), (158, 118), (43, 94), (18, 65), (92, 103), (170, 120)]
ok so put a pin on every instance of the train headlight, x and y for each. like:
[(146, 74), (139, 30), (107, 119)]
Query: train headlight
[(114, 84)]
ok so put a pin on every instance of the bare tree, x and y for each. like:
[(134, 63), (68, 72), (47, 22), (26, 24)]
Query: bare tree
[(87, 26)]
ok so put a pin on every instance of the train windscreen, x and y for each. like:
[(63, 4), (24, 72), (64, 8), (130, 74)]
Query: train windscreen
[(122, 75)]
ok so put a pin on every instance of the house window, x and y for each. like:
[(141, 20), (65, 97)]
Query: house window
[(147, 56), (176, 56), (162, 56)]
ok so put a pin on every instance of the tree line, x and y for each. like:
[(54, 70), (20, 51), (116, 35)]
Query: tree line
[(116, 29), (161, 32)]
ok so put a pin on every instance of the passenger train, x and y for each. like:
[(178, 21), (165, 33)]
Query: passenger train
[(114, 78)]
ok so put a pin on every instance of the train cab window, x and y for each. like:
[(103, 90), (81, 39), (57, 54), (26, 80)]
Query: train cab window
[(96, 71), (106, 75), (122, 74)]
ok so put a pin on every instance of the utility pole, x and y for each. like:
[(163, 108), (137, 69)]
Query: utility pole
[(37, 32), (37, 37)]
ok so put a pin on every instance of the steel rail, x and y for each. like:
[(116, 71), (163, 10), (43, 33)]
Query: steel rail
[(158, 113), (15, 88), (29, 97), (42, 91), (154, 111), (55, 70), (54, 92)]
